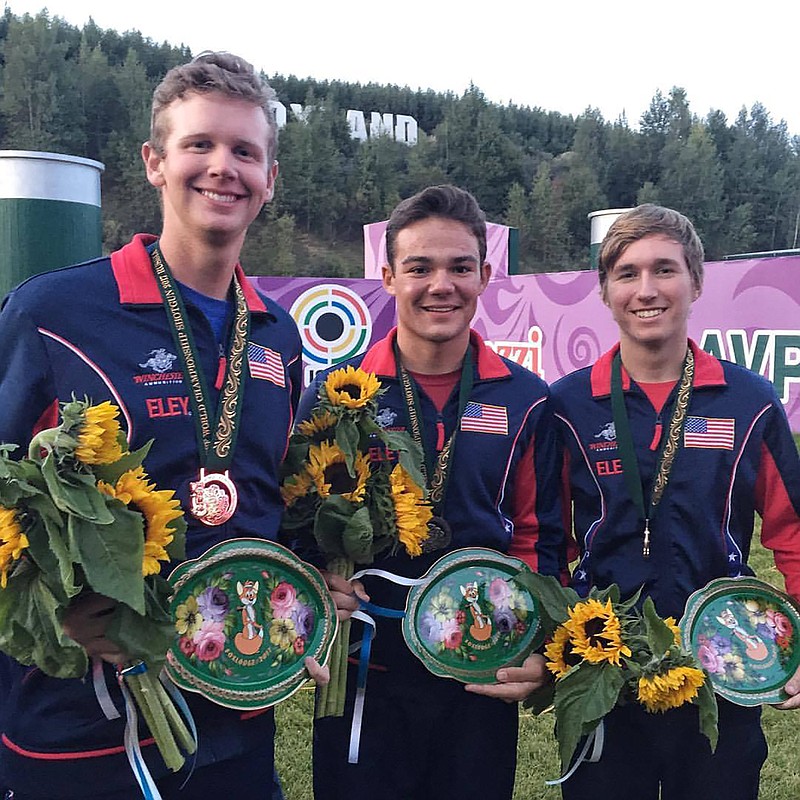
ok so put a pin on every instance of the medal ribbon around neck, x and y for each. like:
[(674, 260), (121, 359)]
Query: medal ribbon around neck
[(669, 449), (215, 453), (436, 471)]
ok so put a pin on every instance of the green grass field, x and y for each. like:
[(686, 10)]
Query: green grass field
[(780, 779)]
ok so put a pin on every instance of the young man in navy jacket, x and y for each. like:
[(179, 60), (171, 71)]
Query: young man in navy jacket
[(425, 737), (734, 457), (104, 330)]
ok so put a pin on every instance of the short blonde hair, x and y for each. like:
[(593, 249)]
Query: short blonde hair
[(647, 220)]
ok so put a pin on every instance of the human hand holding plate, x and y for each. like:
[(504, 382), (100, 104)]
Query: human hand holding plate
[(515, 683)]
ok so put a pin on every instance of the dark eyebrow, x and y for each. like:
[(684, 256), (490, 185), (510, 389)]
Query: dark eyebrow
[(427, 260)]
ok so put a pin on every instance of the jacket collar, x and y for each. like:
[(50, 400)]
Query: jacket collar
[(137, 283), (707, 371), (380, 358)]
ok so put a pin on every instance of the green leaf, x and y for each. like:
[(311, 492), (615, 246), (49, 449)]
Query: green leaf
[(111, 555), (554, 597), (583, 697), (706, 700), (659, 634), (409, 453), (48, 549), (111, 473), (141, 637), (30, 628), (75, 493), (329, 523), (347, 437), (357, 537)]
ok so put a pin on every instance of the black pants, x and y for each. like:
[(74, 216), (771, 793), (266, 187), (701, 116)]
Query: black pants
[(643, 752), (251, 777), (421, 740)]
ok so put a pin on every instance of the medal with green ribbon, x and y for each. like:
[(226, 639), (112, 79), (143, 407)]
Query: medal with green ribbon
[(213, 494), (435, 469), (669, 449)]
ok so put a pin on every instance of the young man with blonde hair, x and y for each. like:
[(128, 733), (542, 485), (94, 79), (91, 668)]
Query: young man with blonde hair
[(667, 520), (108, 330)]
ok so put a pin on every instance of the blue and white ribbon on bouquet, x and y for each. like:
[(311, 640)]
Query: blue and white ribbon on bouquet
[(131, 737), (366, 647)]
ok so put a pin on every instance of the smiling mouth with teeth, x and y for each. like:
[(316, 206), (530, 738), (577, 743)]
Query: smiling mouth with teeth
[(648, 313), (222, 198)]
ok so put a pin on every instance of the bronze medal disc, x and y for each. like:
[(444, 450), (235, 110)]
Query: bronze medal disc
[(213, 498)]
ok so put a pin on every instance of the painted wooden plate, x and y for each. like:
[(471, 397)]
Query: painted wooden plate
[(745, 634), (247, 613), (471, 617)]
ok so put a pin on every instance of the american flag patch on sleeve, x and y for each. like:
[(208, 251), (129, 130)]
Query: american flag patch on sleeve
[(265, 364), (710, 433), (481, 418)]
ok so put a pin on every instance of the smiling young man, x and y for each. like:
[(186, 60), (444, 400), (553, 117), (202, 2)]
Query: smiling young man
[(108, 330), (425, 737), (735, 456)]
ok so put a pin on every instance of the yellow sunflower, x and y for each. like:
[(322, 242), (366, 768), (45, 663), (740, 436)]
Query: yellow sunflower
[(98, 441), (295, 487), (327, 468), (352, 388), (320, 427), (158, 508), (559, 653), (676, 631), (12, 542), (411, 511), (671, 689), (596, 632)]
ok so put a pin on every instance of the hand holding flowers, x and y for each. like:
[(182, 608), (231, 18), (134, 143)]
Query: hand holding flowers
[(352, 491), (604, 651), (83, 534)]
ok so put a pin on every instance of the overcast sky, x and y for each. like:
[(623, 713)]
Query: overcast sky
[(559, 56)]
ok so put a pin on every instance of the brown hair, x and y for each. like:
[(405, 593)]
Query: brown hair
[(220, 72), (646, 220), (447, 202)]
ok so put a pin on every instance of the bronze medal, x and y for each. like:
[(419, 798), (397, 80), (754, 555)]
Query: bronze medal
[(439, 535), (213, 497)]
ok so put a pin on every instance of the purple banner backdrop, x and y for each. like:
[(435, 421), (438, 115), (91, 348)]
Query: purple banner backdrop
[(554, 323)]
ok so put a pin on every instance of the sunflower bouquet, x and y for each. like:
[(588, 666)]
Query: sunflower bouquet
[(352, 490), (79, 515), (604, 651)]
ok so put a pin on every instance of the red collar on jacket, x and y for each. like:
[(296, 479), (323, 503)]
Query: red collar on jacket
[(707, 371), (137, 284), (380, 358)]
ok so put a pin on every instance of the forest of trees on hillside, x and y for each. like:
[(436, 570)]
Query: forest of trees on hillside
[(87, 92)]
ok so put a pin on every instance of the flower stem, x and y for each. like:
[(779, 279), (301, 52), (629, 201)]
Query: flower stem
[(330, 698), (176, 722), (145, 693)]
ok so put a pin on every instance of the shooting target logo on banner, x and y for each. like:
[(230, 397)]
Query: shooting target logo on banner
[(334, 324)]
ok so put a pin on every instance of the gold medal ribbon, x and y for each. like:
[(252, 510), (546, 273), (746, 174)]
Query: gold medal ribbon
[(216, 439)]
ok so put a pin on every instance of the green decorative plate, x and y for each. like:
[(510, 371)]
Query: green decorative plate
[(471, 617), (745, 634), (247, 613)]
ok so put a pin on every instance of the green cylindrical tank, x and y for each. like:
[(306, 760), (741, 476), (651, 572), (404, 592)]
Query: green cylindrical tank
[(49, 213), (601, 221)]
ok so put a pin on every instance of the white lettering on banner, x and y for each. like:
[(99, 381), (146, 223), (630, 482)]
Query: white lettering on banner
[(526, 354), (771, 353), (402, 127)]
